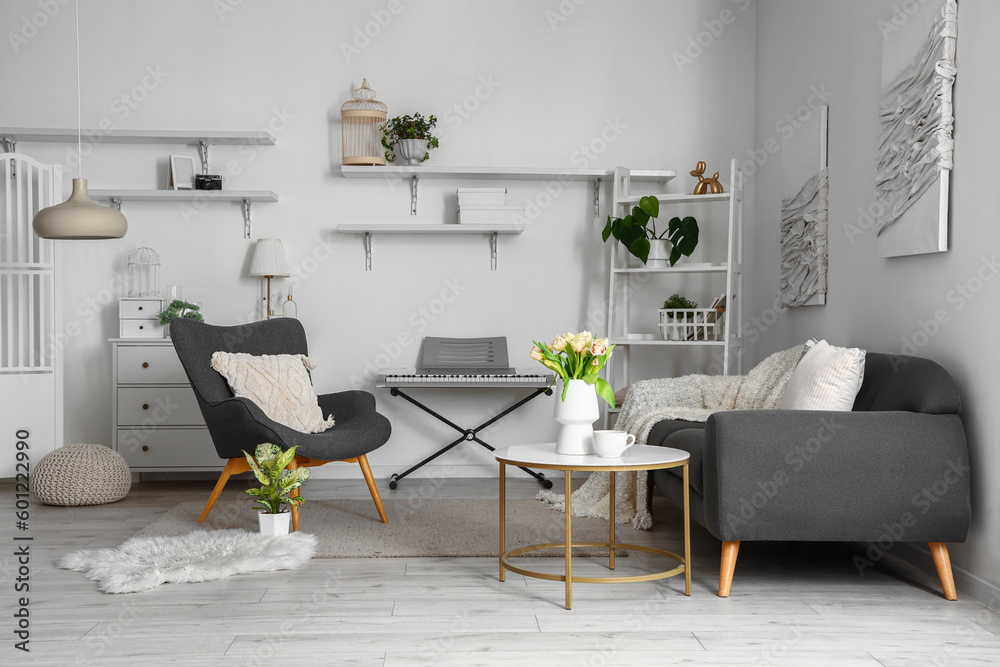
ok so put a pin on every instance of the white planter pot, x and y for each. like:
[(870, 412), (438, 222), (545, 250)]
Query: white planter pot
[(659, 254), (577, 415), (274, 524), (411, 150)]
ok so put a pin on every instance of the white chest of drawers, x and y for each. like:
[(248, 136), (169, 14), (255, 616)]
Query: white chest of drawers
[(156, 421)]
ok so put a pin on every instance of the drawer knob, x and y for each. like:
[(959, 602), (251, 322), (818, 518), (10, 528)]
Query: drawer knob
[(145, 448), (145, 406), (145, 364), (141, 327), (140, 307)]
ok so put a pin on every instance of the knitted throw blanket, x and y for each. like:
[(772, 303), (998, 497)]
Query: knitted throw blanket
[(689, 398)]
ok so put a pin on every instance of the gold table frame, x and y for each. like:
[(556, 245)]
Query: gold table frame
[(568, 469)]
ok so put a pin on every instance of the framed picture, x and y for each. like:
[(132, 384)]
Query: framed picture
[(915, 156), (181, 172)]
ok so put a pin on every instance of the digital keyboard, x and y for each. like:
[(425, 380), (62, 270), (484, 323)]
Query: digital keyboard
[(412, 377)]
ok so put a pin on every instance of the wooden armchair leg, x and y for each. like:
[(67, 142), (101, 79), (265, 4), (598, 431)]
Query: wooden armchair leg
[(294, 494), (942, 561), (233, 467), (729, 552), (367, 472)]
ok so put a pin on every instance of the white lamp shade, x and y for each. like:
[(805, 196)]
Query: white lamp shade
[(79, 218), (269, 259)]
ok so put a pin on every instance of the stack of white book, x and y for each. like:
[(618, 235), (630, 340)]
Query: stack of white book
[(487, 206)]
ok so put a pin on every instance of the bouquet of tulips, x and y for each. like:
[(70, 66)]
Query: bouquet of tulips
[(577, 357)]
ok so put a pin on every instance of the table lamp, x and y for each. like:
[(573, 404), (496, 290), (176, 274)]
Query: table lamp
[(269, 262)]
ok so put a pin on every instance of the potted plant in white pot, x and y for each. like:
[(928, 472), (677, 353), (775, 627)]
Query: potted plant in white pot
[(409, 138), (637, 232), (269, 465), (179, 308)]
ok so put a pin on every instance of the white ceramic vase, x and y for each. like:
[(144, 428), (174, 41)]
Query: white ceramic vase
[(274, 524), (411, 150), (577, 415), (659, 254)]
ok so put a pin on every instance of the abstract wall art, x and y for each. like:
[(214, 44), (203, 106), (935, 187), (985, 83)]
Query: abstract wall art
[(915, 145), (804, 204)]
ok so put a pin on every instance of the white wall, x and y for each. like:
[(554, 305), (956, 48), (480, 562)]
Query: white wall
[(885, 304), (564, 74)]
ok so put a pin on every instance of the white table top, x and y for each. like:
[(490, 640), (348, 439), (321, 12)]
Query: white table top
[(636, 457)]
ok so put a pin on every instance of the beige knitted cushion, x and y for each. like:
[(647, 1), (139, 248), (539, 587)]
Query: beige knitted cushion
[(279, 384), (81, 475)]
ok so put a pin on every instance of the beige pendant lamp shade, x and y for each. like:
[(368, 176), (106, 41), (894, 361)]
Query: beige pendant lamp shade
[(79, 217)]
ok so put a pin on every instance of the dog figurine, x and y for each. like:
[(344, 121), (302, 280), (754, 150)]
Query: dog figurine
[(706, 185)]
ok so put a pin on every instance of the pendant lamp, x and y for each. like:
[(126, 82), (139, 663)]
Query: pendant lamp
[(79, 217)]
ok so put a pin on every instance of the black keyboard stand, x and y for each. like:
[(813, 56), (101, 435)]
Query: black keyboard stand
[(468, 434)]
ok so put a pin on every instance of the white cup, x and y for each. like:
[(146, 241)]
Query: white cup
[(611, 444)]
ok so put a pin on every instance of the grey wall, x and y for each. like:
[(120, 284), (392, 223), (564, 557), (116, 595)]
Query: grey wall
[(890, 305)]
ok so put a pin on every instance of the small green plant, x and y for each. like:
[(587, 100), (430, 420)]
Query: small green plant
[(634, 231), (276, 483), (408, 127), (677, 301), (179, 308)]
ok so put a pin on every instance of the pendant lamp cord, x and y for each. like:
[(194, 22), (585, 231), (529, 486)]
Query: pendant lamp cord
[(79, 121)]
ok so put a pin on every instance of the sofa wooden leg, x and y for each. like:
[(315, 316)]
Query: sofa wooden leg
[(942, 561), (367, 472), (233, 467), (729, 552)]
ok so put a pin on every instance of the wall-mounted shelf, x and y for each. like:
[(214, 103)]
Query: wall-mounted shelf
[(414, 174), (370, 228), (245, 197), (11, 135)]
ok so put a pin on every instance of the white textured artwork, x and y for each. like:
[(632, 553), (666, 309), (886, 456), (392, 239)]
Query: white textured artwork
[(915, 141), (806, 196)]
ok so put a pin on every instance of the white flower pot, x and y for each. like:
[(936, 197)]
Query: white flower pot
[(659, 254), (274, 524), (411, 150), (577, 415)]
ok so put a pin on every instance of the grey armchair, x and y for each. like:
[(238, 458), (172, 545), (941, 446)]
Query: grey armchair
[(238, 424), (895, 468)]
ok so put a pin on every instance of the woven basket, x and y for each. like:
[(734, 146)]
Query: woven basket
[(81, 475)]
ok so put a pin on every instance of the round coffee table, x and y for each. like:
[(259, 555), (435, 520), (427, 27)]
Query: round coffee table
[(636, 457)]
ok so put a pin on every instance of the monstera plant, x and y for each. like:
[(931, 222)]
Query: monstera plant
[(637, 232)]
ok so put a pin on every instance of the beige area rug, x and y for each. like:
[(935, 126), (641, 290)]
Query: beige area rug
[(430, 528)]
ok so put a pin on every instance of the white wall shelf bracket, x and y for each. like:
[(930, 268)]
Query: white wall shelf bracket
[(368, 251), (116, 203), (203, 152), (597, 198), (493, 251), (246, 218), (413, 194), (10, 146)]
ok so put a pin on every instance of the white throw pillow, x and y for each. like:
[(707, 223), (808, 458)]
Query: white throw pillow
[(279, 384), (827, 378)]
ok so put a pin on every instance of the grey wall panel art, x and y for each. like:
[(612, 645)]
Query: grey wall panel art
[(805, 200), (915, 140)]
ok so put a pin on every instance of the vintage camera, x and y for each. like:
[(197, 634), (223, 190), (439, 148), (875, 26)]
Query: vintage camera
[(207, 182)]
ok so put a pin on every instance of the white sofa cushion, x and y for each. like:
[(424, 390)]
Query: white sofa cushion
[(826, 378)]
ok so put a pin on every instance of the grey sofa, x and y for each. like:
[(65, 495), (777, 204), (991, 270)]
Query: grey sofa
[(895, 468)]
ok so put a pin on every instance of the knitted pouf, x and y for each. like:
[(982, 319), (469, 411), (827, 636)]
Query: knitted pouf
[(81, 475)]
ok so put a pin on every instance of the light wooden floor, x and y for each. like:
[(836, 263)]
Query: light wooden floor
[(792, 604)]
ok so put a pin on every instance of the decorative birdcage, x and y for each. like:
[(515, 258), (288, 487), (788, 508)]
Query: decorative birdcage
[(143, 272), (363, 119)]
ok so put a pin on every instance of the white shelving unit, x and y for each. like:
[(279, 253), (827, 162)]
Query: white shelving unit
[(618, 313), (371, 228), (203, 140)]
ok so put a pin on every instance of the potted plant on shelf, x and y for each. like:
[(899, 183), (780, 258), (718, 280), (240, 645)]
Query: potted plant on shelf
[(577, 359), (410, 138), (179, 308), (269, 465), (637, 232)]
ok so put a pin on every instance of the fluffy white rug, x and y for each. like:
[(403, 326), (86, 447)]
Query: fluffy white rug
[(141, 563)]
